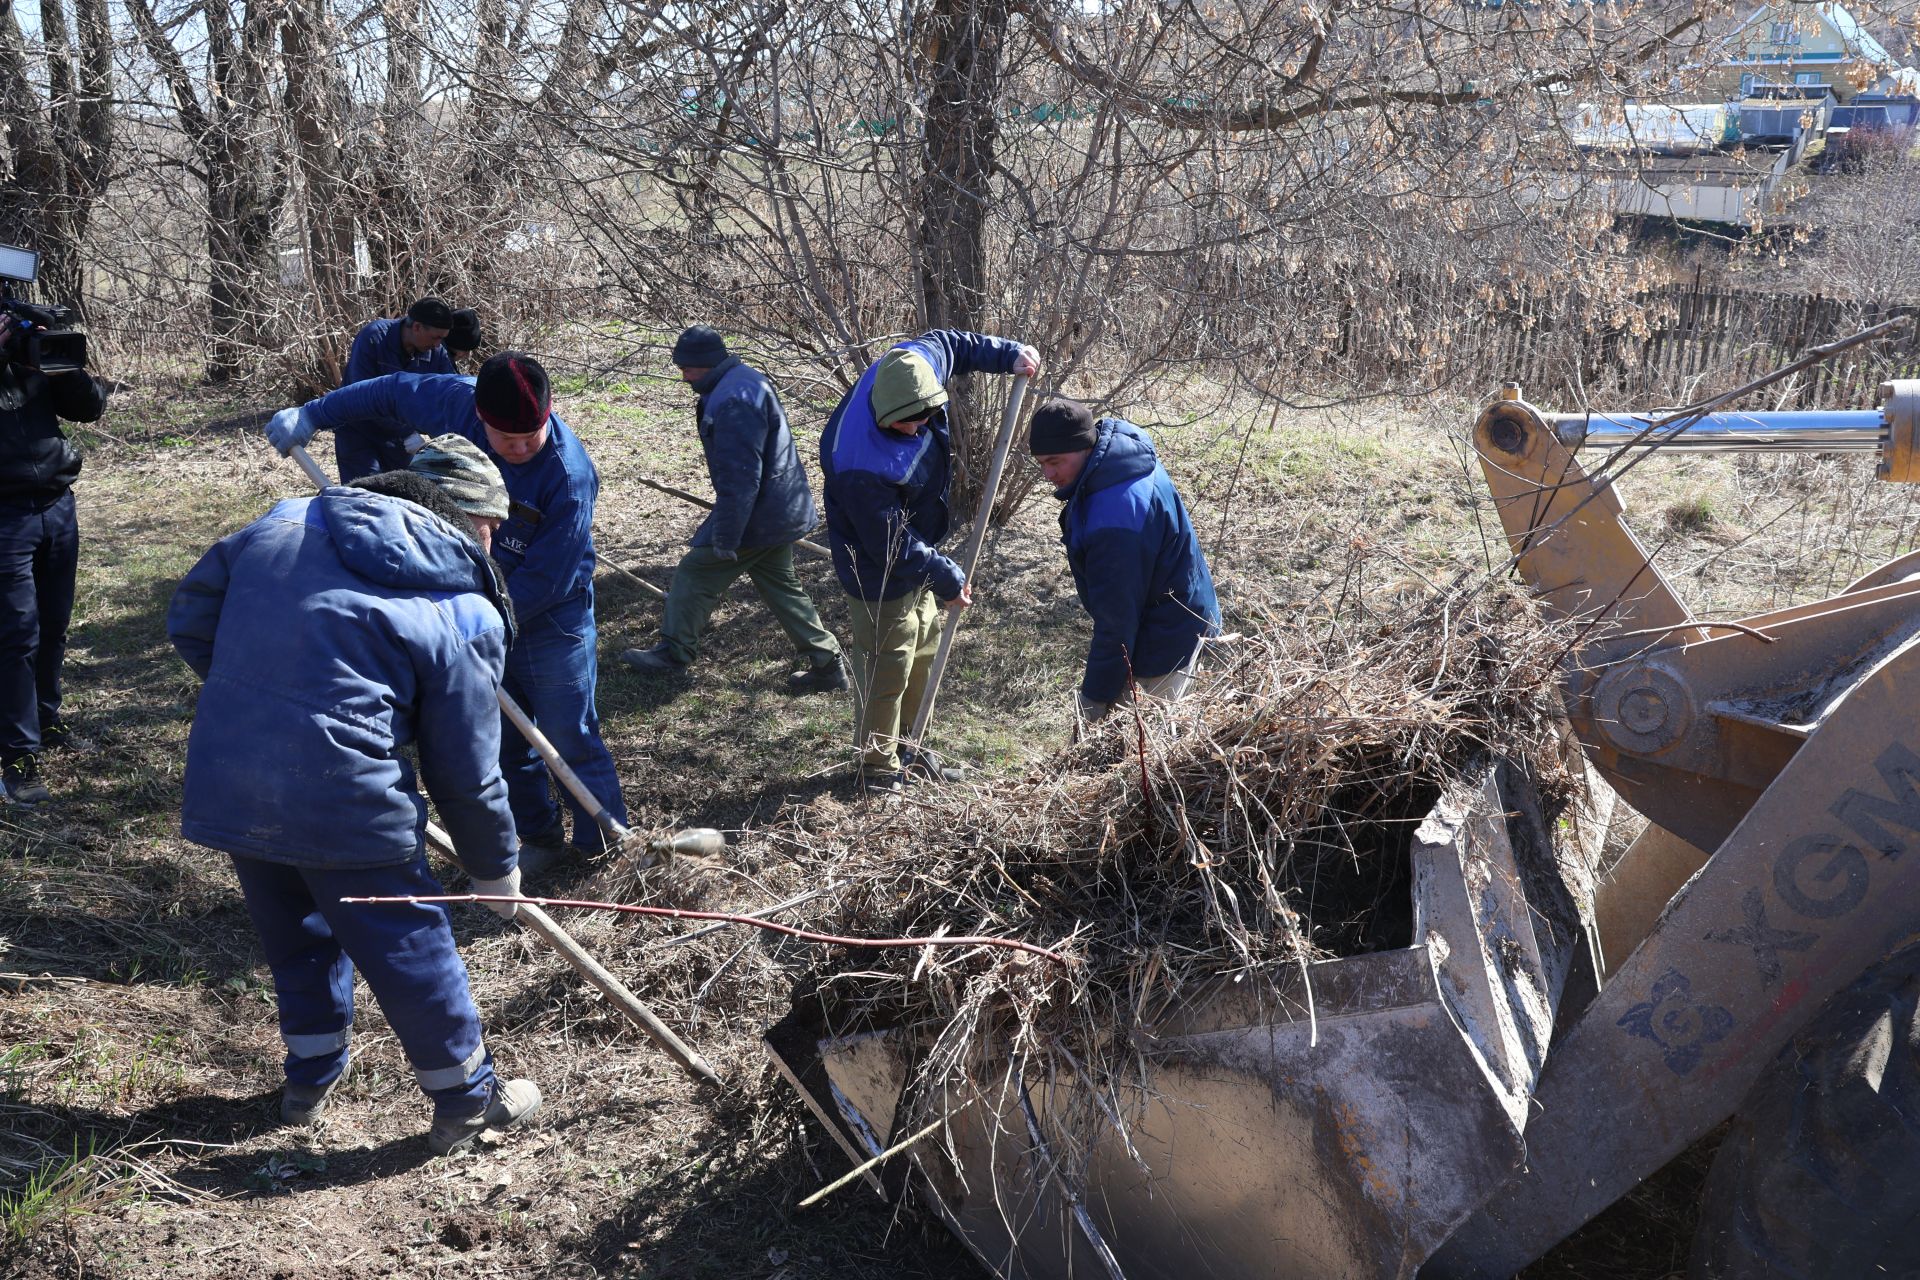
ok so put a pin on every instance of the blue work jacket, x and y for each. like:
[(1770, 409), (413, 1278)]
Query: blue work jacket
[(1136, 564), (545, 546), (760, 494), (331, 633), (377, 351), (886, 493)]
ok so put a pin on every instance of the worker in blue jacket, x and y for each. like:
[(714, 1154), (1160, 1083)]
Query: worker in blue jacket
[(1136, 561), (332, 633), (545, 548), (413, 343), (761, 507), (886, 459)]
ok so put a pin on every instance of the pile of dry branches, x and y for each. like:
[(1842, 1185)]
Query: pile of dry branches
[(1260, 824)]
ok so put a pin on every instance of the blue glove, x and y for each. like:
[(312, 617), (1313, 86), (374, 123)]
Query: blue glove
[(289, 427)]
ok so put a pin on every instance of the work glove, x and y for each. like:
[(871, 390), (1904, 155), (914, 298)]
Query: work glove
[(288, 428), (507, 886), (1090, 710)]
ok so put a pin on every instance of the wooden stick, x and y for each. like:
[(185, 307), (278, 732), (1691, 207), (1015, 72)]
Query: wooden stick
[(635, 579), (549, 931), (970, 556), (812, 548), (861, 1168), (680, 913)]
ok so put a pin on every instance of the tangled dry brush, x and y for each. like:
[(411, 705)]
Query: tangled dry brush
[(1257, 826)]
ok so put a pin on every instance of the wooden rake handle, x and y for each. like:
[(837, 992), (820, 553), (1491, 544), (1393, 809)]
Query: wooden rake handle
[(971, 556)]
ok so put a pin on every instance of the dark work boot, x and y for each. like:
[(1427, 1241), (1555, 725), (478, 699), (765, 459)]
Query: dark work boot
[(58, 736), (302, 1104), (819, 677), (658, 660), (544, 850), (919, 762), (22, 777)]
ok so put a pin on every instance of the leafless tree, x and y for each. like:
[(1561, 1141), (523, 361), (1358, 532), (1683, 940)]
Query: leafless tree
[(1867, 248), (58, 120), (219, 79)]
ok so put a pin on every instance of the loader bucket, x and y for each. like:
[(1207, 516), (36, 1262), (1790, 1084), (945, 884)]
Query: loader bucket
[(1340, 1123)]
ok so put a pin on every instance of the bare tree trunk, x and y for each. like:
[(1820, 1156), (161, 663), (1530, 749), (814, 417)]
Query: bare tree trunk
[(235, 136), (316, 102), (59, 158), (965, 40), (400, 217)]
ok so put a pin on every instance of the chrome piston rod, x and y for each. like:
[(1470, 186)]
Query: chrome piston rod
[(1812, 431)]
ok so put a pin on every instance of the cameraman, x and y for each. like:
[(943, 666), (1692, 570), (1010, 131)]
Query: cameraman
[(39, 553)]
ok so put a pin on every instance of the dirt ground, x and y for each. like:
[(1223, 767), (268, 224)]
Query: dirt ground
[(139, 1060)]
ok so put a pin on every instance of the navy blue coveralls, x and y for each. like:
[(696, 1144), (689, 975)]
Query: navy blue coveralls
[(332, 633), (1136, 563), (378, 351), (39, 545)]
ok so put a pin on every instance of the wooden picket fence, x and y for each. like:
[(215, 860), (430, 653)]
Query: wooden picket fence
[(1692, 340)]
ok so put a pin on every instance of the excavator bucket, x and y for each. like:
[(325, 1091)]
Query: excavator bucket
[(1341, 1124)]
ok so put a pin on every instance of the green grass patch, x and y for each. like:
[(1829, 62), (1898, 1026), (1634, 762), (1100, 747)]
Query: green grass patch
[(83, 1182)]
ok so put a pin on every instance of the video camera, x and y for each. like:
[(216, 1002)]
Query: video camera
[(34, 337)]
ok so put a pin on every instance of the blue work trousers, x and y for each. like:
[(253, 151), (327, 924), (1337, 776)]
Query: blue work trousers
[(360, 454), (552, 674), (39, 555), (313, 941)]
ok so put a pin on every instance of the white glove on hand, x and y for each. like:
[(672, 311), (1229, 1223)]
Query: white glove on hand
[(1089, 709), (288, 428), (506, 887)]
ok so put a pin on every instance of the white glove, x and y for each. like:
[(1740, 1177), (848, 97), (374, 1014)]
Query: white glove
[(1089, 709), (506, 887), (288, 428)]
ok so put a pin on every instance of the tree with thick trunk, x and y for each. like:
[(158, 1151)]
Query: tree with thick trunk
[(234, 136), (61, 140)]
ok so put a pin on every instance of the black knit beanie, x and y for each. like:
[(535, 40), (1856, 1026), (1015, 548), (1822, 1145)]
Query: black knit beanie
[(511, 394), (431, 313), (464, 333), (1061, 426), (700, 347)]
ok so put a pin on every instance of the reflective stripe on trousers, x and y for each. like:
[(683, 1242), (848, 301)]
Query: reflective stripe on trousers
[(317, 1046), (313, 942), (438, 1078)]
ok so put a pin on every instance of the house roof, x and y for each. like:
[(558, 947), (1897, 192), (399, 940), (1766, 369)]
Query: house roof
[(1858, 41)]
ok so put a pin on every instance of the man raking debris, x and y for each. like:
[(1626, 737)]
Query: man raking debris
[(695, 841), (332, 633), (545, 552)]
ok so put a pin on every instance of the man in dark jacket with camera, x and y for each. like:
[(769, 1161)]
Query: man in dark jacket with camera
[(1136, 560), (762, 506), (333, 633), (39, 553)]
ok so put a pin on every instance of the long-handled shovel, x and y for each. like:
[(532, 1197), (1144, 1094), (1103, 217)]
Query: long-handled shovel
[(971, 555), (539, 921), (811, 548)]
